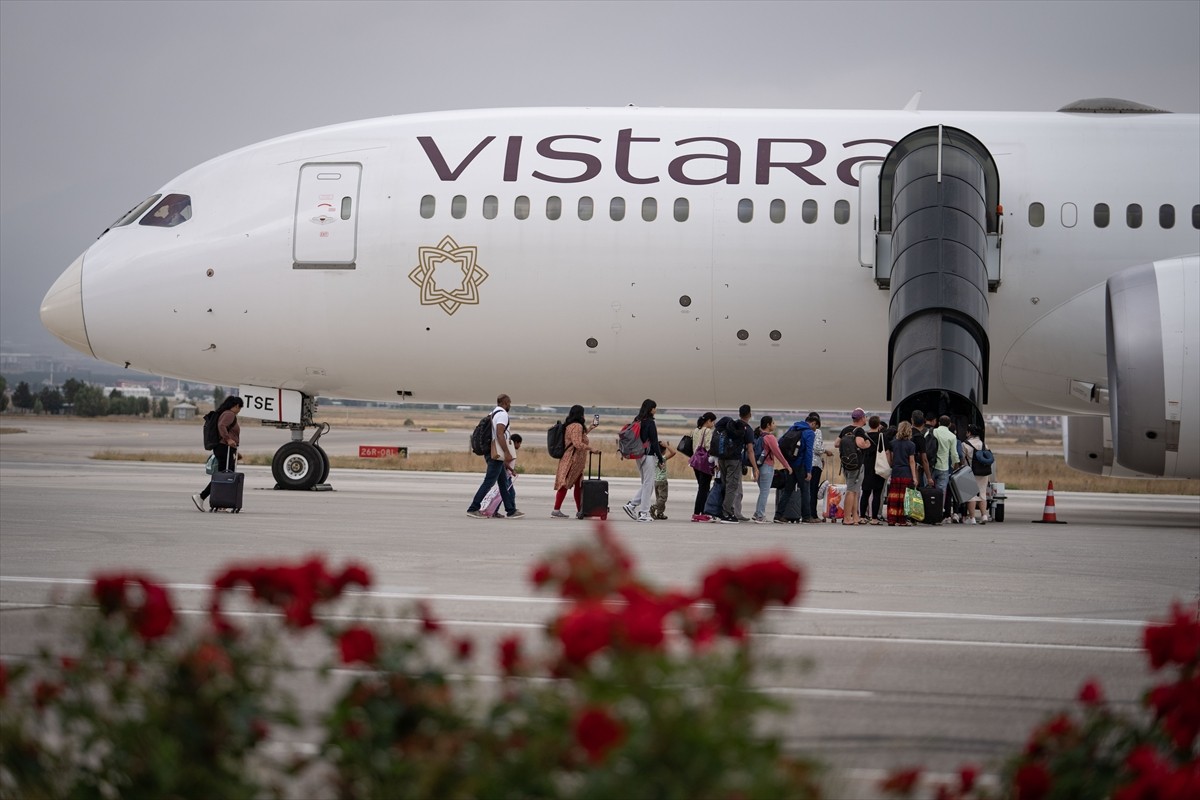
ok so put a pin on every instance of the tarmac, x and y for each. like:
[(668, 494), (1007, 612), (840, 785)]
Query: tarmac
[(933, 645)]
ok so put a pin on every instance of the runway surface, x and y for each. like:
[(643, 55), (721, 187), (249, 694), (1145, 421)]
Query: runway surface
[(931, 645)]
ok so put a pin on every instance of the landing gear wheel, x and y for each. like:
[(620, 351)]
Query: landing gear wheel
[(324, 464), (299, 466)]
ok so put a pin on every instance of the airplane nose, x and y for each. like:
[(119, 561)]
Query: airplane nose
[(62, 309)]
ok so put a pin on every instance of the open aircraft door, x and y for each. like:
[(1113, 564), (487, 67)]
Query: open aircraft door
[(326, 229)]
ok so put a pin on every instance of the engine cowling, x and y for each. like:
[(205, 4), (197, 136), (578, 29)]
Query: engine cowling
[(1152, 324), (1088, 447)]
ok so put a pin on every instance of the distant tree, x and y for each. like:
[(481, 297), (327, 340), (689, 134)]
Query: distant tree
[(22, 397), (37, 406), (51, 400), (3, 394), (218, 395), (164, 408), (143, 405), (91, 402), (70, 387)]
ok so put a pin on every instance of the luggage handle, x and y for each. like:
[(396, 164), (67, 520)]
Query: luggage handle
[(598, 462), (228, 453)]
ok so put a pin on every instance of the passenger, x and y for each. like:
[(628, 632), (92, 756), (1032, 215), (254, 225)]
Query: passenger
[(944, 462), (491, 502), (873, 483), (919, 434), (659, 509), (731, 468), (501, 452), (772, 459), (903, 456), (977, 505), (571, 465), (702, 464), (818, 465), (646, 463), (797, 448), (853, 441), (225, 450)]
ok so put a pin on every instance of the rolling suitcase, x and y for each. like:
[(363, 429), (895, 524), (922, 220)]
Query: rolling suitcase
[(225, 489), (934, 505), (594, 501), (963, 485)]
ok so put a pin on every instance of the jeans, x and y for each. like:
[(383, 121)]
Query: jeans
[(495, 474), (765, 473), (941, 480), (716, 496)]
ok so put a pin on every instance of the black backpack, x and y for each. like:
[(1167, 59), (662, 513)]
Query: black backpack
[(481, 437), (556, 440), (982, 461), (212, 437), (848, 450), (789, 444), (731, 442)]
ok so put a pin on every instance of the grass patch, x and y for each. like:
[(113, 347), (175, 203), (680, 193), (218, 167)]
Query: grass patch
[(11, 430)]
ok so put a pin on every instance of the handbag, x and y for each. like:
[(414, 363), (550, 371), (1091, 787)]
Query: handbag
[(210, 466), (685, 445), (779, 479), (914, 504), (699, 461), (882, 468)]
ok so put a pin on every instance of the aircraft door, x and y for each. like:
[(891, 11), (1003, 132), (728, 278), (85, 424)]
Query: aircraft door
[(326, 227)]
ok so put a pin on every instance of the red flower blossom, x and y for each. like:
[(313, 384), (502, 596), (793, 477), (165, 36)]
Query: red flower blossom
[(901, 782), (967, 775), (509, 654), (584, 631), (209, 660), (152, 619), (1178, 706), (1032, 782), (1091, 693), (109, 591), (358, 644), (45, 693), (1177, 642), (293, 588), (429, 624), (463, 649), (597, 732), (1155, 777), (587, 572)]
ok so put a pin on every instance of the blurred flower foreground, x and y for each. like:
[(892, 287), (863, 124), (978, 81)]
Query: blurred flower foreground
[(633, 692)]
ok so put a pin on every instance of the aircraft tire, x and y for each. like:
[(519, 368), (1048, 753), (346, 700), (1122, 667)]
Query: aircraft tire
[(324, 463), (297, 466)]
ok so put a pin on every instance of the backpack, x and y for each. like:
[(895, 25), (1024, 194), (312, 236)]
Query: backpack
[(212, 437), (731, 442), (982, 461), (556, 440), (848, 451), (789, 444), (686, 445), (931, 447), (629, 440), (760, 453), (481, 437)]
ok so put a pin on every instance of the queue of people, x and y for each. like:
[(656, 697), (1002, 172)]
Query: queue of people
[(879, 465)]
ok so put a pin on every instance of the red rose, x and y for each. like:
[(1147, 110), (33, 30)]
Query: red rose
[(209, 660), (463, 649), (429, 623), (540, 575), (597, 732), (1032, 782), (967, 775), (901, 781), (353, 574), (358, 644), (1091, 694), (510, 654), (155, 617), (1176, 642), (109, 591), (584, 631)]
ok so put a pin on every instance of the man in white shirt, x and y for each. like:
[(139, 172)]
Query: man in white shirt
[(501, 451)]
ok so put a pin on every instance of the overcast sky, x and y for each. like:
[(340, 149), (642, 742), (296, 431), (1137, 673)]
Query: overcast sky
[(103, 102)]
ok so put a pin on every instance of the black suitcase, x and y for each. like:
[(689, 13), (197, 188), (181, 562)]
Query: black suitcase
[(225, 489), (594, 501), (934, 501)]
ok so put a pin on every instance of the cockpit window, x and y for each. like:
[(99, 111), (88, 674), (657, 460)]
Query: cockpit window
[(133, 213), (172, 210)]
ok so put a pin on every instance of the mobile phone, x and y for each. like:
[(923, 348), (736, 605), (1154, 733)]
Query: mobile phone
[(595, 419)]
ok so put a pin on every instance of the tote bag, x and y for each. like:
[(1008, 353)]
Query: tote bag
[(882, 468)]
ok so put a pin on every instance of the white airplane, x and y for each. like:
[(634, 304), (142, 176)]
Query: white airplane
[(953, 262)]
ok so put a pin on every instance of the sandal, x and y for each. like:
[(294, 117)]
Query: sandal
[(864, 522), (874, 522)]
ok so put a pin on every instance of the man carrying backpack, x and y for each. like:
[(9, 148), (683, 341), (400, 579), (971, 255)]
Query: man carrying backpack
[(852, 443), (797, 447), (736, 440), (498, 453)]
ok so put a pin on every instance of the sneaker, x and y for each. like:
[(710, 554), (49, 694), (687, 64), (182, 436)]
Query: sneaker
[(198, 501), (971, 521), (643, 517), (662, 517), (758, 520), (630, 510), (477, 514), (701, 518), (742, 519), (729, 520), (779, 521), (515, 515), (558, 514)]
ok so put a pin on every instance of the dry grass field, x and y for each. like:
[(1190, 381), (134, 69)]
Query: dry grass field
[(1025, 459)]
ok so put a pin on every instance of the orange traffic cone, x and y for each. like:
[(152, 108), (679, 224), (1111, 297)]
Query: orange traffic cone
[(1048, 514)]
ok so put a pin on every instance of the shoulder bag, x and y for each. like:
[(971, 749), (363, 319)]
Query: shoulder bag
[(882, 468)]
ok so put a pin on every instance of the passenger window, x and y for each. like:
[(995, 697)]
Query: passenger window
[(1133, 215), (135, 212), (172, 210), (1196, 217), (521, 207), (616, 209), (1100, 215), (649, 209), (553, 207), (808, 211), (428, 205), (458, 206), (491, 207), (586, 208), (1166, 216), (841, 212), (745, 210), (778, 211), (682, 209), (1037, 215)]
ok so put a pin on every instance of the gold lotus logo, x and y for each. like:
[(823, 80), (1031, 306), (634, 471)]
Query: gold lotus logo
[(451, 262)]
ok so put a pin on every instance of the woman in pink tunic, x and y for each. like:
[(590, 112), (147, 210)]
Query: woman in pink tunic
[(571, 465)]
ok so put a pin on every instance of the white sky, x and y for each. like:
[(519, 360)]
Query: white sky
[(103, 102)]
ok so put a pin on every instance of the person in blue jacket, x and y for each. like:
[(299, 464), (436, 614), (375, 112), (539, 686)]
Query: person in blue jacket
[(798, 439)]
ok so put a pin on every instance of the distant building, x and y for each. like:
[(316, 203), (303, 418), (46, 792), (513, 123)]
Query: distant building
[(184, 411)]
